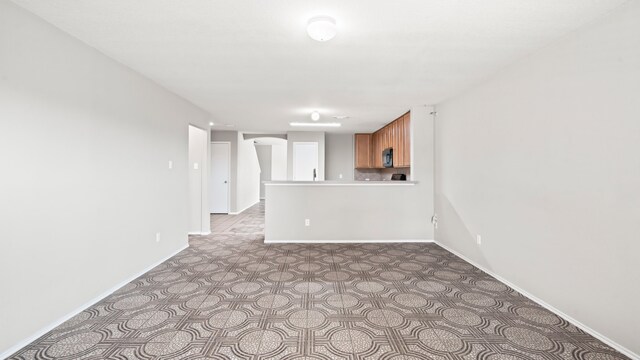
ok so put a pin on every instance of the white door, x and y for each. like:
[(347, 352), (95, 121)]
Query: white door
[(220, 161), (305, 161)]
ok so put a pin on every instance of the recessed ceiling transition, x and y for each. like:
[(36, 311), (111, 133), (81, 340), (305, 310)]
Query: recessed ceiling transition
[(253, 65)]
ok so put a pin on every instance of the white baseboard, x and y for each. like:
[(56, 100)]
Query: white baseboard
[(200, 233), (348, 241), (21, 344), (547, 306), (241, 211)]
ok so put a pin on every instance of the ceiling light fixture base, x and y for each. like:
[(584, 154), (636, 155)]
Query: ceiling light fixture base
[(322, 28)]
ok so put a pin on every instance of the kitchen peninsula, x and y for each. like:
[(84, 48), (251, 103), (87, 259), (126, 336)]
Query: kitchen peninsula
[(358, 211), (334, 210)]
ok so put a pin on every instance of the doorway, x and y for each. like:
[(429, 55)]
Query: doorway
[(220, 177), (305, 161), (198, 214)]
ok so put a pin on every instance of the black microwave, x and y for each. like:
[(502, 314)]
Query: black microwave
[(387, 157)]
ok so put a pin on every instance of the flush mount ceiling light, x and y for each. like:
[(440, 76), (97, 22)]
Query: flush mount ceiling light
[(211, 124), (315, 124), (315, 116), (322, 28)]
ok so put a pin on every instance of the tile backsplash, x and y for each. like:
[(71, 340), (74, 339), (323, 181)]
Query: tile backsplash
[(379, 174)]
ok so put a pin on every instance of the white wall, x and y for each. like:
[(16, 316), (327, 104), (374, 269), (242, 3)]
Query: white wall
[(305, 136), (339, 157), (279, 162), (85, 185), (248, 177), (543, 161), (264, 159)]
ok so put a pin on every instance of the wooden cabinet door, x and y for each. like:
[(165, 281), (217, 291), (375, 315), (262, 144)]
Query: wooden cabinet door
[(363, 151), (394, 140), (375, 145), (377, 154), (398, 150), (407, 139)]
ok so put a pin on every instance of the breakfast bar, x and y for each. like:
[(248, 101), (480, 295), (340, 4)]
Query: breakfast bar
[(343, 211)]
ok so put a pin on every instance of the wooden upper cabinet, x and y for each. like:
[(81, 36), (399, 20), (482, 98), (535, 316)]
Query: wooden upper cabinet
[(363, 151), (395, 135)]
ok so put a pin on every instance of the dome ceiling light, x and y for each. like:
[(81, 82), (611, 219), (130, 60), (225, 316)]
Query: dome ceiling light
[(322, 28), (315, 116)]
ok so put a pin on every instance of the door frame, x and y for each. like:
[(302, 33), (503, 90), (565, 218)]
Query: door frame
[(204, 179), (293, 158), (228, 143)]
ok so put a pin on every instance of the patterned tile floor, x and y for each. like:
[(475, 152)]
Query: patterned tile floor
[(230, 296)]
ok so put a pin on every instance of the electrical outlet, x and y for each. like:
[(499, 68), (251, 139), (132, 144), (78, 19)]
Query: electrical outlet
[(307, 222), (479, 239), (157, 237), (170, 164), (196, 166), (340, 176)]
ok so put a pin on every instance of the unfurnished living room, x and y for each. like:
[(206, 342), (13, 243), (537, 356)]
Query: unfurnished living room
[(295, 179)]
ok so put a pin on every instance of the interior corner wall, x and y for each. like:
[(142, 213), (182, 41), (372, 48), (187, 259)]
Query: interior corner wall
[(265, 155), (306, 136), (543, 161), (422, 171), (248, 177), (339, 157), (279, 162), (85, 149)]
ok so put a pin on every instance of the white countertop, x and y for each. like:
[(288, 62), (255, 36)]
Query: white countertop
[(341, 183)]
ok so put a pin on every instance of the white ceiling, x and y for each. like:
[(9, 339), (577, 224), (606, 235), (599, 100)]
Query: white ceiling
[(251, 64)]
